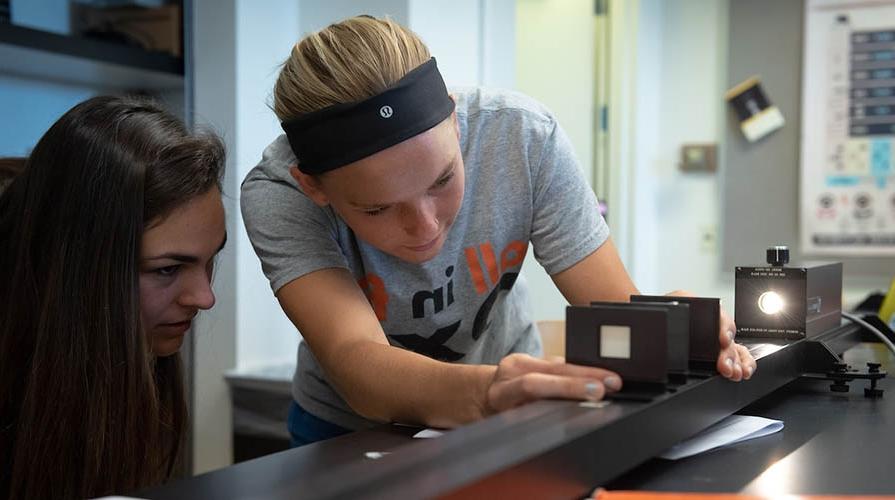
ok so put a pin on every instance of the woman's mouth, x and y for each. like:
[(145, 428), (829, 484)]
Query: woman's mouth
[(178, 328), (426, 246)]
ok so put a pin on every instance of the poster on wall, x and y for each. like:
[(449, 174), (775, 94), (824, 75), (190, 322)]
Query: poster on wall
[(848, 128)]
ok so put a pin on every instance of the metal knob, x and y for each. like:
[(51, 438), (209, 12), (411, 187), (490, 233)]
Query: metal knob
[(778, 256)]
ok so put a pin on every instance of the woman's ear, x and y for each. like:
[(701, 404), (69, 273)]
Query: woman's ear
[(454, 116), (310, 185)]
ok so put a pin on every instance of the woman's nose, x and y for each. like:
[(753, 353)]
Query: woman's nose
[(421, 220), (198, 293)]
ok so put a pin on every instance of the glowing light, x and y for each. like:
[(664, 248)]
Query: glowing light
[(777, 481), (770, 303)]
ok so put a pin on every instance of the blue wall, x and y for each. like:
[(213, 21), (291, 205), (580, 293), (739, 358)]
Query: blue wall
[(29, 107)]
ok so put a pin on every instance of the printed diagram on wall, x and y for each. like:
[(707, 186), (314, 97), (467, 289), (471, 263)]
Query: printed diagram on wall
[(848, 128)]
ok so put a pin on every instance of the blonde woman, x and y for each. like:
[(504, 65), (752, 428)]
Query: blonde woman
[(392, 220)]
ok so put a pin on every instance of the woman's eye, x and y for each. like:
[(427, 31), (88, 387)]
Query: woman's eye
[(167, 270), (375, 212), (444, 180)]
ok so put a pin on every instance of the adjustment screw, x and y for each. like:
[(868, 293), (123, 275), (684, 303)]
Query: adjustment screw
[(778, 256), (839, 386)]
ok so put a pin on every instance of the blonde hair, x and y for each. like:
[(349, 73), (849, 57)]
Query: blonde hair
[(345, 62)]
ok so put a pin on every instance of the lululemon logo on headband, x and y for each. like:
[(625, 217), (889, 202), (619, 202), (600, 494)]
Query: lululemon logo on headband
[(386, 111)]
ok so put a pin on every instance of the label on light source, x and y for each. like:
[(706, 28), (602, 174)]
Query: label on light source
[(814, 305)]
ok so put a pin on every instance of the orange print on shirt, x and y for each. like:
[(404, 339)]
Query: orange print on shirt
[(512, 255), (374, 289)]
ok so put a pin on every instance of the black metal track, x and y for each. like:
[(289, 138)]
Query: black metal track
[(559, 449)]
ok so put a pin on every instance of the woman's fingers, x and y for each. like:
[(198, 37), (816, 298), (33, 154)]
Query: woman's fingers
[(521, 378), (729, 364), (533, 386), (736, 363), (516, 365), (727, 331), (747, 361)]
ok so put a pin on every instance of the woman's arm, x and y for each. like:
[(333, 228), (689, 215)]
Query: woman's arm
[(600, 276), (386, 383)]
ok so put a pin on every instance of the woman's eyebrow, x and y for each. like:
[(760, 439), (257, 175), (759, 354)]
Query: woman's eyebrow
[(186, 259)]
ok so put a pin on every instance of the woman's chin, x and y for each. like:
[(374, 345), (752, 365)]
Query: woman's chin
[(166, 347)]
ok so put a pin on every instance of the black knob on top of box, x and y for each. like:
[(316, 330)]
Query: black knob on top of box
[(778, 256)]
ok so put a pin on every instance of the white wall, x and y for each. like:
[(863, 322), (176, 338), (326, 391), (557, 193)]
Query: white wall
[(694, 68), (555, 64), (498, 41), (318, 14), (265, 335), (684, 82), (214, 81), (649, 99), (471, 39), (238, 48), (459, 57)]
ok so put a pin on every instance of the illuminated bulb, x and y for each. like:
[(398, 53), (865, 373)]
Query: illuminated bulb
[(770, 303)]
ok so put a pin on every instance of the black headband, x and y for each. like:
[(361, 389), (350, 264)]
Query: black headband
[(343, 133)]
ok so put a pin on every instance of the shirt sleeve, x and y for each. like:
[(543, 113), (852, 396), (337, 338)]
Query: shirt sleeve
[(291, 235), (566, 222)]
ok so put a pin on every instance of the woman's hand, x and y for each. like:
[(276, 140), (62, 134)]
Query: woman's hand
[(735, 362), (521, 378)]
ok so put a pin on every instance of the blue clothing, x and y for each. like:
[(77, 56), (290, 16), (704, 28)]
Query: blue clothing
[(305, 428)]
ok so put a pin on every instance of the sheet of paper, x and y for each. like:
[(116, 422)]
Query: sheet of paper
[(427, 433), (732, 429)]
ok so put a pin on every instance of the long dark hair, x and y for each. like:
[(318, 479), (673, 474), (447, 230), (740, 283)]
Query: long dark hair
[(86, 409), (10, 168)]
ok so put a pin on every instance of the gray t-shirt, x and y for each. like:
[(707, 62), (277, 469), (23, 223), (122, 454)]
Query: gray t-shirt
[(466, 305)]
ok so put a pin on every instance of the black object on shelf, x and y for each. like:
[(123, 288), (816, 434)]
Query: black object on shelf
[(871, 303), (40, 55), (96, 50), (4, 11)]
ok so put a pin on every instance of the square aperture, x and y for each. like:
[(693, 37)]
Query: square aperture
[(615, 341)]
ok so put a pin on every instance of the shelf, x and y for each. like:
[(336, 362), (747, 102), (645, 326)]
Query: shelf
[(31, 53)]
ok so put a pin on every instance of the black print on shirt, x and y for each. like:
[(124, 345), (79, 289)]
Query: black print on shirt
[(482, 318), (433, 346), (437, 297)]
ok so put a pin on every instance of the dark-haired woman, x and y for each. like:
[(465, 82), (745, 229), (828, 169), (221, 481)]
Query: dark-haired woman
[(108, 233)]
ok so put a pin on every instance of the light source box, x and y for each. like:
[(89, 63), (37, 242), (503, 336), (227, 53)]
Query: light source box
[(810, 300)]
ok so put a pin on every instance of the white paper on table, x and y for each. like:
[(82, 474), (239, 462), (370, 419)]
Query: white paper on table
[(427, 433), (732, 429)]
